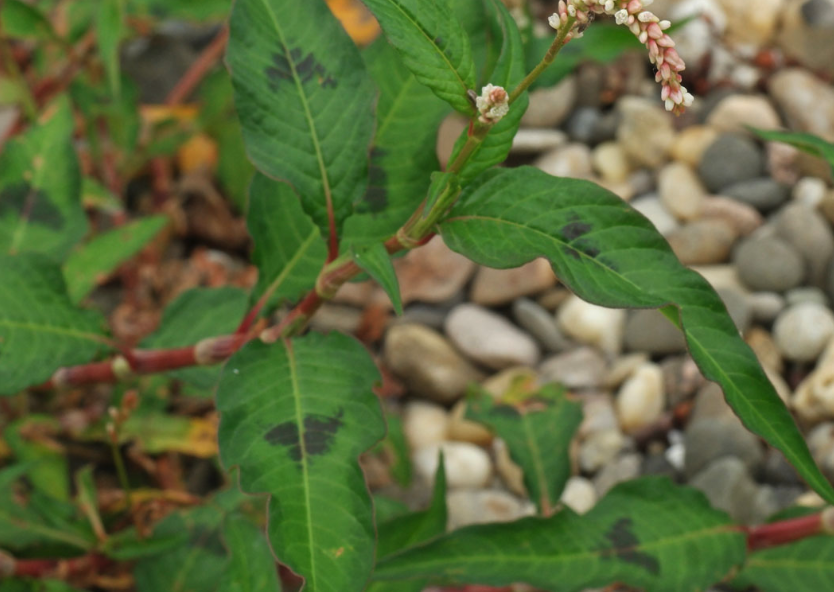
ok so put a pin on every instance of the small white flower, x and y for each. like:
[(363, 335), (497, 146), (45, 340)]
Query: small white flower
[(553, 21), (688, 99), (647, 3), (664, 25), (572, 10), (609, 6), (646, 17), (670, 104), (493, 104), (621, 16)]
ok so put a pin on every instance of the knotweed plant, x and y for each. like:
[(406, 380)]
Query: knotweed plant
[(343, 140)]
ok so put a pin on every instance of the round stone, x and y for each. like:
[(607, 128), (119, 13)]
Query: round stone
[(466, 465), (490, 339), (768, 264), (645, 132), (641, 399), (592, 324), (803, 330), (681, 191), (427, 363), (649, 331), (730, 159), (704, 242), (762, 193)]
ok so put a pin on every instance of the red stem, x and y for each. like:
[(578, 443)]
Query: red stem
[(61, 568), (788, 531), (195, 74)]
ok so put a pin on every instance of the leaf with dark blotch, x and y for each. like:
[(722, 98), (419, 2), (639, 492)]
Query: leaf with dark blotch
[(40, 188), (433, 45), (403, 154), (40, 329), (538, 436), (305, 102), (804, 566), (295, 416), (644, 534), (289, 252), (509, 71), (252, 567), (610, 255)]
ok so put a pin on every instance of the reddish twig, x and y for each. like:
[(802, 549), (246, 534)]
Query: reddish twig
[(52, 568), (195, 74), (788, 531), (206, 352)]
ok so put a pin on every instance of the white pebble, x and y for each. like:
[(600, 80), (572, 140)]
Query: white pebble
[(466, 464)]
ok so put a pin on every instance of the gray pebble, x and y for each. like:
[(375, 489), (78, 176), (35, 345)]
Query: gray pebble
[(539, 322), (762, 193), (768, 264), (730, 159), (729, 487), (810, 234), (648, 330), (583, 367)]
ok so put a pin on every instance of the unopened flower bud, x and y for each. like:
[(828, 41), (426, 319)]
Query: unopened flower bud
[(493, 104)]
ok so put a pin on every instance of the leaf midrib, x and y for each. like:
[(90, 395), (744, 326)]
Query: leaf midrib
[(428, 37), (305, 472), (753, 409), (51, 329), (549, 560), (328, 197)]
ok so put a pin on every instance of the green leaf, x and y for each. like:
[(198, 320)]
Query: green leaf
[(538, 435), (376, 262), (40, 522), (472, 16), (803, 566), (295, 415), (23, 20), (644, 534), (198, 314), (29, 585), (87, 497), (433, 45), (195, 10), (610, 255), (509, 71), (198, 563), (40, 189), (395, 447), (305, 102), (408, 530), (414, 528), (88, 265), (403, 154), (40, 329), (109, 30), (289, 252), (48, 468), (252, 568), (806, 142)]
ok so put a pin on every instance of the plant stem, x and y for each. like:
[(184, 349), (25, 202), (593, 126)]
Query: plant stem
[(195, 74), (788, 531), (122, 473), (548, 58), (417, 231)]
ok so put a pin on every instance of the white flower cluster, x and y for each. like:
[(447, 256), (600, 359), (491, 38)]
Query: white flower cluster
[(493, 104), (647, 27)]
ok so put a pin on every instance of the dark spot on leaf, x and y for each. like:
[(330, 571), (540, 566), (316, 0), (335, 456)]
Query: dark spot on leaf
[(319, 431), (306, 68), (571, 252), (438, 41), (624, 547), (23, 201), (575, 229), (375, 199)]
